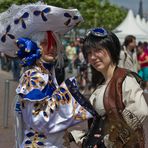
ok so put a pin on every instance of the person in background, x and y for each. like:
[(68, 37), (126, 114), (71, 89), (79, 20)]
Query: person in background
[(5, 62), (82, 74), (146, 47), (77, 45), (143, 61), (16, 68), (128, 55), (71, 54), (118, 100)]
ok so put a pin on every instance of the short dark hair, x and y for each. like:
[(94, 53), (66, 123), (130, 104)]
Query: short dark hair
[(128, 39), (110, 42)]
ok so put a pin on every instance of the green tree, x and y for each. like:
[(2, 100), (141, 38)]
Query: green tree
[(94, 12)]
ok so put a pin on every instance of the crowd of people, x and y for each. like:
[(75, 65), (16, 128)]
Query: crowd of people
[(133, 56), (48, 103)]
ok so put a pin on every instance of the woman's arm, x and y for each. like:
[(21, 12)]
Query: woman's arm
[(136, 109)]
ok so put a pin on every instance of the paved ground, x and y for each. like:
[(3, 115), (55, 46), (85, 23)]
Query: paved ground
[(7, 134)]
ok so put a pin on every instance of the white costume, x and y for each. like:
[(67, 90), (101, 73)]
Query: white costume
[(47, 110), (44, 110)]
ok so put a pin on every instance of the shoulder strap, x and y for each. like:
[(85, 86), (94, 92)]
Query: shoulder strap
[(113, 92), (81, 98), (125, 54), (138, 78)]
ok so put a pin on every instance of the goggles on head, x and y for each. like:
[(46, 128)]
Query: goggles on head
[(98, 32)]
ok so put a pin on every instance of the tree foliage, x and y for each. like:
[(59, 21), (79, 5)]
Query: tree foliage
[(94, 12)]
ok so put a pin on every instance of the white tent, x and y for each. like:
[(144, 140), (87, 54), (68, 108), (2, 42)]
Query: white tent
[(145, 24), (129, 26), (141, 23)]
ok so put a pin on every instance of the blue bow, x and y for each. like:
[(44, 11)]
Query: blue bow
[(28, 51)]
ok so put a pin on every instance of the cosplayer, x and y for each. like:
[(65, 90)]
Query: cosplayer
[(118, 100), (44, 110), (128, 54)]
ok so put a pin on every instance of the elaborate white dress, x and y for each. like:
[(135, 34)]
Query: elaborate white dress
[(45, 110)]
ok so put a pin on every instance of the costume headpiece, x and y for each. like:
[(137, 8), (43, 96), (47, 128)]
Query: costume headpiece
[(28, 51), (24, 20)]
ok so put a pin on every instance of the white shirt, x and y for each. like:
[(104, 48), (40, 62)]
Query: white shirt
[(133, 100), (128, 60)]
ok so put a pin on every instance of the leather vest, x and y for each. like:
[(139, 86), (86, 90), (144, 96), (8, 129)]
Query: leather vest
[(112, 123), (119, 132)]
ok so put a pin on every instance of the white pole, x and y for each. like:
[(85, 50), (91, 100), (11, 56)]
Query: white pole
[(6, 104)]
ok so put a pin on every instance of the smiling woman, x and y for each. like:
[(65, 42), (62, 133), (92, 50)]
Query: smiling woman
[(119, 100), (100, 50)]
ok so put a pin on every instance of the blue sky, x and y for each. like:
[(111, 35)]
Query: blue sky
[(132, 4)]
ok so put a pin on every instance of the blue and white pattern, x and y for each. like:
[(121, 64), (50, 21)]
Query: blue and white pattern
[(24, 20), (47, 109)]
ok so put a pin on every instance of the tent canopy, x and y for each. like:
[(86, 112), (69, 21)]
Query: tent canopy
[(141, 23), (129, 26)]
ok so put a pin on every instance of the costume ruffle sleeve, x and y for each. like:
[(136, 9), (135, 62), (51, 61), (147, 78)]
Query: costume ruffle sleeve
[(33, 85)]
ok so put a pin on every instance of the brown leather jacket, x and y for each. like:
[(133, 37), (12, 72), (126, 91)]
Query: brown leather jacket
[(119, 132)]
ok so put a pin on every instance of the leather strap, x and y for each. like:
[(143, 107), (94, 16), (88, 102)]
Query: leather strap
[(113, 92)]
